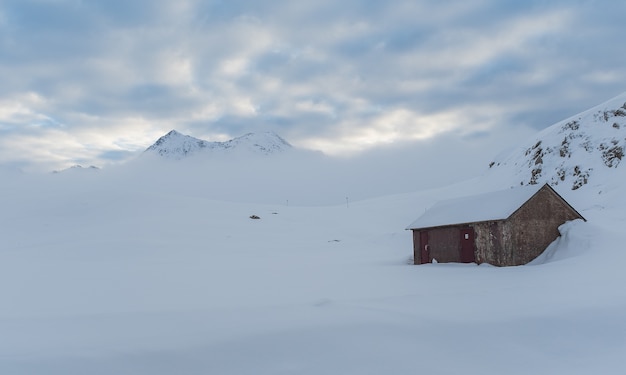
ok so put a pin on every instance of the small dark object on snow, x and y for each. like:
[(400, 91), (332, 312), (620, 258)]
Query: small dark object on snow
[(254, 217)]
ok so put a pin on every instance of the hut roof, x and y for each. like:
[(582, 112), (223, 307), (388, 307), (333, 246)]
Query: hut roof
[(498, 205)]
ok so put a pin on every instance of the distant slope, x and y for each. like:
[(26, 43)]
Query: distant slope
[(77, 169), (175, 145), (572, 152)]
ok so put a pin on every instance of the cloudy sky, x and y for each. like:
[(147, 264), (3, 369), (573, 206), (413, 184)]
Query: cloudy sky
[(94, 82)]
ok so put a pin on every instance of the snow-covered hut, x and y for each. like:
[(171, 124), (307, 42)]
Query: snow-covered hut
[(504, 228)]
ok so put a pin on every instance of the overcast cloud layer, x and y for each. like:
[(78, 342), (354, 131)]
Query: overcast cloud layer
[(93, 82)]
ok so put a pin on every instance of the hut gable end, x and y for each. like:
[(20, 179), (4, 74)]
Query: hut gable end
[(535, 225)]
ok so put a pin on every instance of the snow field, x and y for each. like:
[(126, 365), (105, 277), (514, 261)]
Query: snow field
[(102, 277)]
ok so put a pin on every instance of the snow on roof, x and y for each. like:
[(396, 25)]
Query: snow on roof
[(496, 205)]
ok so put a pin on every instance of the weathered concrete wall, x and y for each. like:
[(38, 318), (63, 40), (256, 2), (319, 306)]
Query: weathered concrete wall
[(489, 241), (526, 234), (535, 225)]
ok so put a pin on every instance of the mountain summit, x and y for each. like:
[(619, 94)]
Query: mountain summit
[(572, 152), (175, 145)]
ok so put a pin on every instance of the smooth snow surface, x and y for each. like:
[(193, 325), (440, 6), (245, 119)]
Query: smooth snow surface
[(103, 274)]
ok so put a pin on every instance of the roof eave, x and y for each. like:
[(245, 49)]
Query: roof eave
[(457, 224)]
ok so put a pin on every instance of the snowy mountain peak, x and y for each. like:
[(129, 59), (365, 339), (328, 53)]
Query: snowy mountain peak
[(175, 145), (266, 142), (574, 151)]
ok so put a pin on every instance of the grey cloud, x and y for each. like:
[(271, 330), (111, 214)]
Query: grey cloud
[(307, 68), (116, 155), (225, 125)]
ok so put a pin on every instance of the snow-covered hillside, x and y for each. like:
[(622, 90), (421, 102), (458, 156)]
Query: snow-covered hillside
[(140, 271), (573, 152), (101, 276), (175, 145)]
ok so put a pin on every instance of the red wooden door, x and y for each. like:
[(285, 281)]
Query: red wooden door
[(424, 248), (467, 245), (417, 257)]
